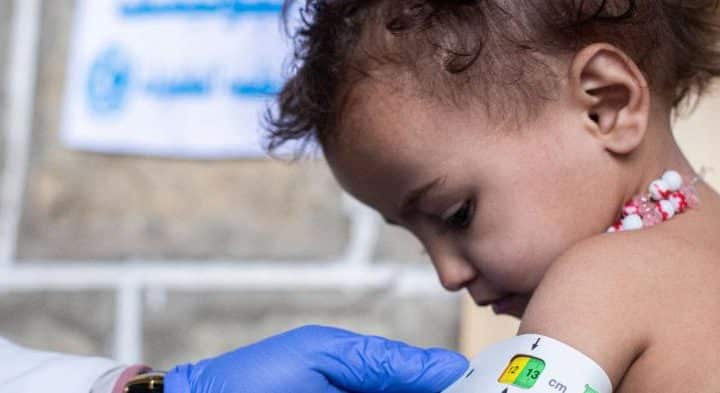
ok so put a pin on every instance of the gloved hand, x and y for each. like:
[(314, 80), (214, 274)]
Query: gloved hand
[(316, 359)]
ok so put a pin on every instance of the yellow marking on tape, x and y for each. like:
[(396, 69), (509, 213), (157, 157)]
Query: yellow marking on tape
[(514, 369)]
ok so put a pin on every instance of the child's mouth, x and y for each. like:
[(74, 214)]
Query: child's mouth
[(509, 304), (503, 305), (489, 302)]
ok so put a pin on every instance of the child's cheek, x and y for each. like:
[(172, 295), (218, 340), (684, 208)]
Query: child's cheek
[(513, 257)]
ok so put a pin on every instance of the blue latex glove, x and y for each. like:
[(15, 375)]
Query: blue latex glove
[(316, 359)]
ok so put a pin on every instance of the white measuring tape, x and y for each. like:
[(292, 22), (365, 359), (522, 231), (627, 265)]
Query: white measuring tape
[(535, 364)]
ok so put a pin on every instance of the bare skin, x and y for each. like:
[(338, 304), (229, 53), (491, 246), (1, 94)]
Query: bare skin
[(642, 304), (519, 213)]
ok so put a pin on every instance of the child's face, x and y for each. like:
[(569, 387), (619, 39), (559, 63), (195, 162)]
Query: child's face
[(493, 205)]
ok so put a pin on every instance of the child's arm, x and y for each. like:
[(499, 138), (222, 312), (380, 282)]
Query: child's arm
[(586, 324), (588, 299)]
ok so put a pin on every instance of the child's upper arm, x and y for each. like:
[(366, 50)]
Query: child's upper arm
[(588, 300)]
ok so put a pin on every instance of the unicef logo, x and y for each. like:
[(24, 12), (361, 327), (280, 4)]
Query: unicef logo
[(108, 82)]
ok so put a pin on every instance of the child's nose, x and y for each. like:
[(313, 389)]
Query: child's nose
[(454, 271)]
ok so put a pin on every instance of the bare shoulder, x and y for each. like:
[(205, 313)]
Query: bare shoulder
[(592, 298), (641, 304)]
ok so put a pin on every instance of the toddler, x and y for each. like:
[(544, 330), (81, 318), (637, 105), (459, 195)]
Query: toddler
[(528, 145)]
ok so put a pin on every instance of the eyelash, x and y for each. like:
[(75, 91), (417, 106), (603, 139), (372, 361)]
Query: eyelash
[(463, 217)]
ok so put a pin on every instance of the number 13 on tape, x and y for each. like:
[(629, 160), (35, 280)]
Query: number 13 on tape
[(523, 371)]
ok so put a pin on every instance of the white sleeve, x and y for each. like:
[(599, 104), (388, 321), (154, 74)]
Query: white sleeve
[(28, 371), (106, 382)]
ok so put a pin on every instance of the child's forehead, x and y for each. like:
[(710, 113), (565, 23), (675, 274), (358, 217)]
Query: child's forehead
[(392, 133), (407, 90), (374, 113), (386, 113)]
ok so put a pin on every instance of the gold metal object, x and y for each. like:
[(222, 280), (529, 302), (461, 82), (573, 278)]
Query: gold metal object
[(146, 383)]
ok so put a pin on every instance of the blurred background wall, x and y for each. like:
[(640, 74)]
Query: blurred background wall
[(259, 246)]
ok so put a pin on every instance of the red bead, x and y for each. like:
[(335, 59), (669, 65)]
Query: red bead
[(690, 196)]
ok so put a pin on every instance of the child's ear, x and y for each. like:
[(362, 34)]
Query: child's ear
[(614, 96)]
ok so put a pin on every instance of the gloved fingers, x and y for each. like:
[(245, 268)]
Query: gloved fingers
[(373, 364), (333, 389), (177, 379)]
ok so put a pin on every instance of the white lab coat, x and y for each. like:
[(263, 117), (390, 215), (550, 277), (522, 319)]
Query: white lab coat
[(25, 370)]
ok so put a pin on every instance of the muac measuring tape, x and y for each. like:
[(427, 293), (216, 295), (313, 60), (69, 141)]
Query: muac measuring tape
[(535, 364)]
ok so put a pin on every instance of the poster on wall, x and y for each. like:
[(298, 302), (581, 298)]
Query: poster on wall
[(182, 78)]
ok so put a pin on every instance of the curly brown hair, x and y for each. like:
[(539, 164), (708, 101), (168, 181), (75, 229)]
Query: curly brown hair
[(488, 49)]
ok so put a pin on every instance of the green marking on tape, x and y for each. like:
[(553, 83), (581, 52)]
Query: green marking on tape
[(588, 389), (530, 374)]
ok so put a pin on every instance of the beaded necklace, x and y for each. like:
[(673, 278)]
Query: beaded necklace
[(670, 195)]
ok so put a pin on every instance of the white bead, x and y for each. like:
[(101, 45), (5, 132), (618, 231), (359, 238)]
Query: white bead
[(667, 208), (676, 202), (657, 189), (673, 180), (632, 222)]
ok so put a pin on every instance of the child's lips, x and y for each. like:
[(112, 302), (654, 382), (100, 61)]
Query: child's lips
[(506, 304), (510, 305), (503, 305), (483, 303)]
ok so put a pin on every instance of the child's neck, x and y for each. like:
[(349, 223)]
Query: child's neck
[(659, 152)]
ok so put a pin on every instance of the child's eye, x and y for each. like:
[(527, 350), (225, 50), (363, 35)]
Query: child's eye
[(460, 216)]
